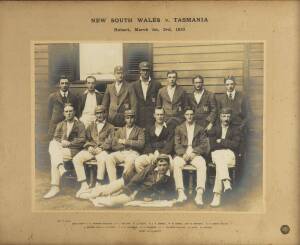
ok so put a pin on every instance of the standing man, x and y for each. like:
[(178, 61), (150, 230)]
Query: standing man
[(191, 145), (173, 99), (68, 139), (204, 103), (224, 141), (56, 103), (99, 136), (159, 139), (88, 102), (146, 92), (127, 142), (118, 97), (237, 102)]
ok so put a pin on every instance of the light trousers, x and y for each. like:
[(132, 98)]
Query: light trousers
[(198, 162), (58, 155), (118, 157), (223, 159), (84, 156)]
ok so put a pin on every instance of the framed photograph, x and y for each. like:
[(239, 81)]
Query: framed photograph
[(165, 122)]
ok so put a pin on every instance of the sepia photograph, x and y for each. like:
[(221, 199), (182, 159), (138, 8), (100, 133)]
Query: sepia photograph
[(140, 126), (149, 122)]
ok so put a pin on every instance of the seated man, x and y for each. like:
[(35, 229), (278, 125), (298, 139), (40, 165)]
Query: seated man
[(152, 183), (68, 139), (127, 142), (159, 140), (191, 144), (99, 136), (224, 141)]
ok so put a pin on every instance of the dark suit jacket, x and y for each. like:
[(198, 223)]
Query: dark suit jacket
[(102, 139), (164, 143), (56, 109), (116, 104), (147, 186), (232, 139), (175, 109), (240, 108), (200, 142), (82, 100), (76, 136), (206, 110), (135, 142), (145, 108)]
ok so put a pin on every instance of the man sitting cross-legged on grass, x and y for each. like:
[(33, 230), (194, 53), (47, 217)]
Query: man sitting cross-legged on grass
[(99, 137), (152, 183)]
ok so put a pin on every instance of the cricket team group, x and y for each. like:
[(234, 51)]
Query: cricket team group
[(153, 131)]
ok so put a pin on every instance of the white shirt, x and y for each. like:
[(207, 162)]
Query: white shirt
[(198, 96), (190, 135), (159, 128), (224, 131), (64, 93), (128, 131), (145, 86), (69, 127), (118, 86), (232, 94), (100, 126), (171, 91), (90, 104)]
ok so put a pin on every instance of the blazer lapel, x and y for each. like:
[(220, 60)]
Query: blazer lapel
[(150, 87), (59, 97), (177, 94), (73, 128), (203, 97), (132, 133), (166, 95), (140, 90)]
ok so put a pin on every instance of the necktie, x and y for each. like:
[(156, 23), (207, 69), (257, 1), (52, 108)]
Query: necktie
[(64, 98), (230, 96)]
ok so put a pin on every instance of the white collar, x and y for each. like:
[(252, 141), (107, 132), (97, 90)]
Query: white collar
[(172, 88), (232, 93), (100, 122), (146, 81), (87, 91), (168, 173), (63, 93), (188, 125), (163, 125), (75, 119), (196, 92)]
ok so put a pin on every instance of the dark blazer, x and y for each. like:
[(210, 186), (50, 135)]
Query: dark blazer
[(164, 143), (116, 104), (240, 108), (174, 109), (102, 139), (145, 108), (146, 185), (232, 139), (135, 142), (82, 100), (206, 110), (200, 142), (76, 136), (56, 109)]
